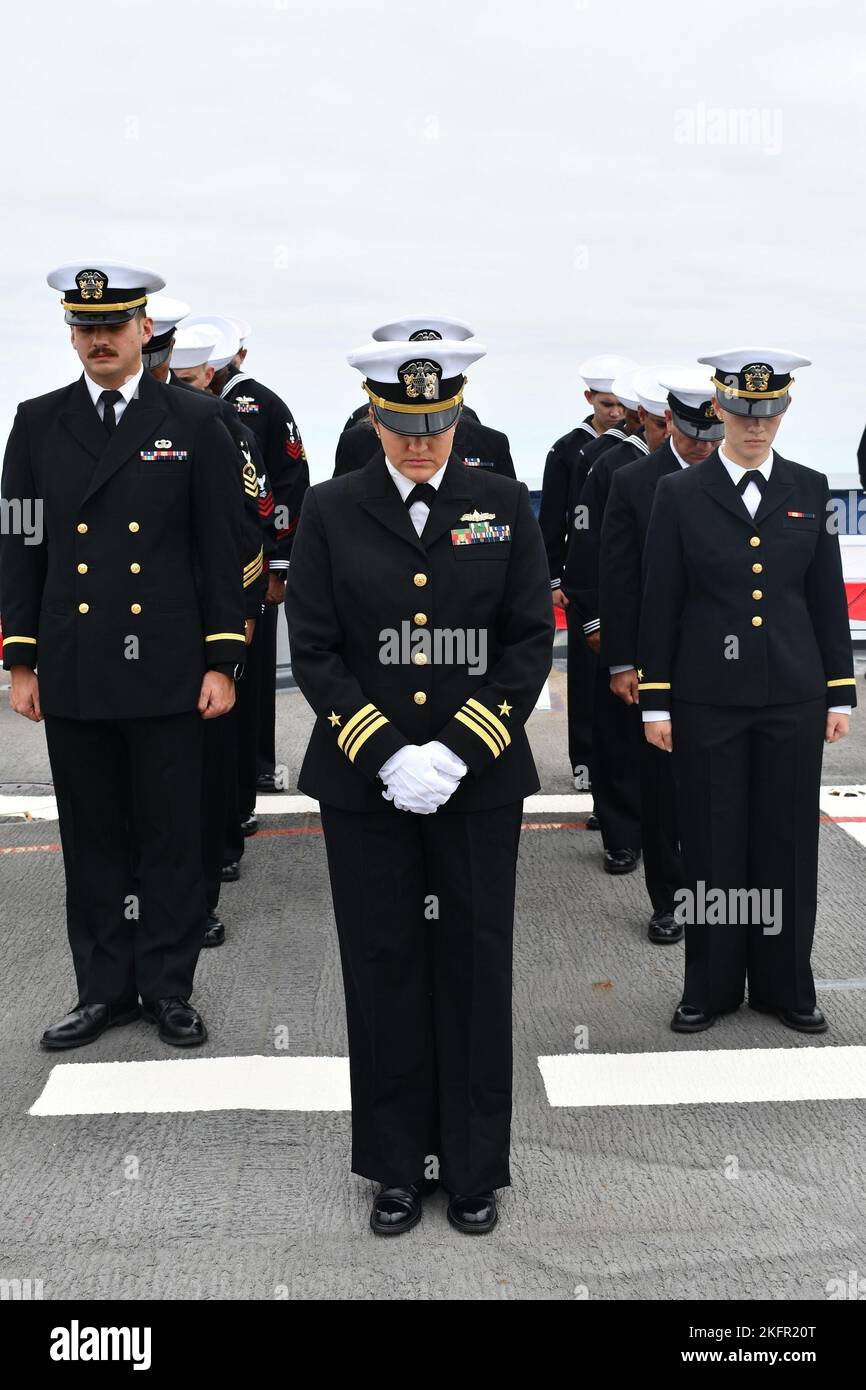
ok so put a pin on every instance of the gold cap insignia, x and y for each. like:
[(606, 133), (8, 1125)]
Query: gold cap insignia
[(709, 411), (757, 376), (91, 283), (478, 516), (421, 379)]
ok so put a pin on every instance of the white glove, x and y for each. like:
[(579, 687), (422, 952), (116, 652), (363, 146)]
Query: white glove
[(421, 779)]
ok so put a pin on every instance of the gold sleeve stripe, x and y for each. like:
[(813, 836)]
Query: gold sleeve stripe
[(490, 718), (485, 723), (253, 575), (654, 685), (361, 732), (364, 735), (256, 561), (481, 732), (846, 680), (7, 640), (226, 637), (356, 718)]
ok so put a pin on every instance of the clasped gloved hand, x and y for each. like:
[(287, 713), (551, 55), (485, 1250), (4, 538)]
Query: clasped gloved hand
[(421, 777)]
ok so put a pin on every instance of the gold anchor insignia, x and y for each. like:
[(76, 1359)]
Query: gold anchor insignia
[(757, 376), (505, 708), (334, 719), (91, 283), (478, 516)]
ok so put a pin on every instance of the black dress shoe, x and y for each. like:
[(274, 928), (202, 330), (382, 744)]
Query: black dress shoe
[(396, 1209), (85, 1023), (230, 873), (592, 822), (663, 929), (810, 1021), (178, 1022), (476, 1215), (215, 932), (688, 1020), (621, 861), (267, 782), (249, 826)]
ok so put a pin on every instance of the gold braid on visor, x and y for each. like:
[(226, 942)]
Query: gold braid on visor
[(751, 395), (427, 408)]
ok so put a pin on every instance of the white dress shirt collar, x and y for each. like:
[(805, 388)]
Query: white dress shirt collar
[(735, 471), (127, 390), (676, 453), (405, 485)]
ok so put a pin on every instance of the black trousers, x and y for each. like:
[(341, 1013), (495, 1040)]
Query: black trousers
[(242, 802), (581, 667), (748, 780), (219, 797), (659, 826), (615, 765), (129, 805), (424, 907), (266, 755)]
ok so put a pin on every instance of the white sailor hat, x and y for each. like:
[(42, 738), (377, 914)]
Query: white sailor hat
[(623, 388), (166, 314), (224, 335), (753, 381), (416, 386), (599, 372), (649, 391), (103, 291), (423, 328), (193, 347), (243, 327), (690, 401)]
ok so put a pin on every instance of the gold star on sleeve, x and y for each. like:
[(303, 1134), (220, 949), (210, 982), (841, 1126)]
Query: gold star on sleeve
[(334, 719), (505, 708)]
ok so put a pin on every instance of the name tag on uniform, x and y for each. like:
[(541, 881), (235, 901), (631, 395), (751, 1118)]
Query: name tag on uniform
[(163, 455), (806, 515), (479, 533)]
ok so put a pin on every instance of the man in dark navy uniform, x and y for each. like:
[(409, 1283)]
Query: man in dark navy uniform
[(285, 458), (564, 473), (745, 669), (421, 632), (196, 355), (123, 628), (682, 396)]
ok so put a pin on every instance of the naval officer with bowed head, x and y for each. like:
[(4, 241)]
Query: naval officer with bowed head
[(746, 668), (421, 631), (477, 445), (123, 629)]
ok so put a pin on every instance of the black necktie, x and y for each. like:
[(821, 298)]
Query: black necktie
[(422, 492), (109, 400), (752, 475)]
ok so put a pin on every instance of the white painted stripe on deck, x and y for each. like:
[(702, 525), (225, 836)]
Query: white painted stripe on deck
[(846, 800), (283, 804), (543, 701), (736, 1075), (31, 807), (205, 1083)]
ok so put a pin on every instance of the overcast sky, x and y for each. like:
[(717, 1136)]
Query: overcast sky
[(569, 176)]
